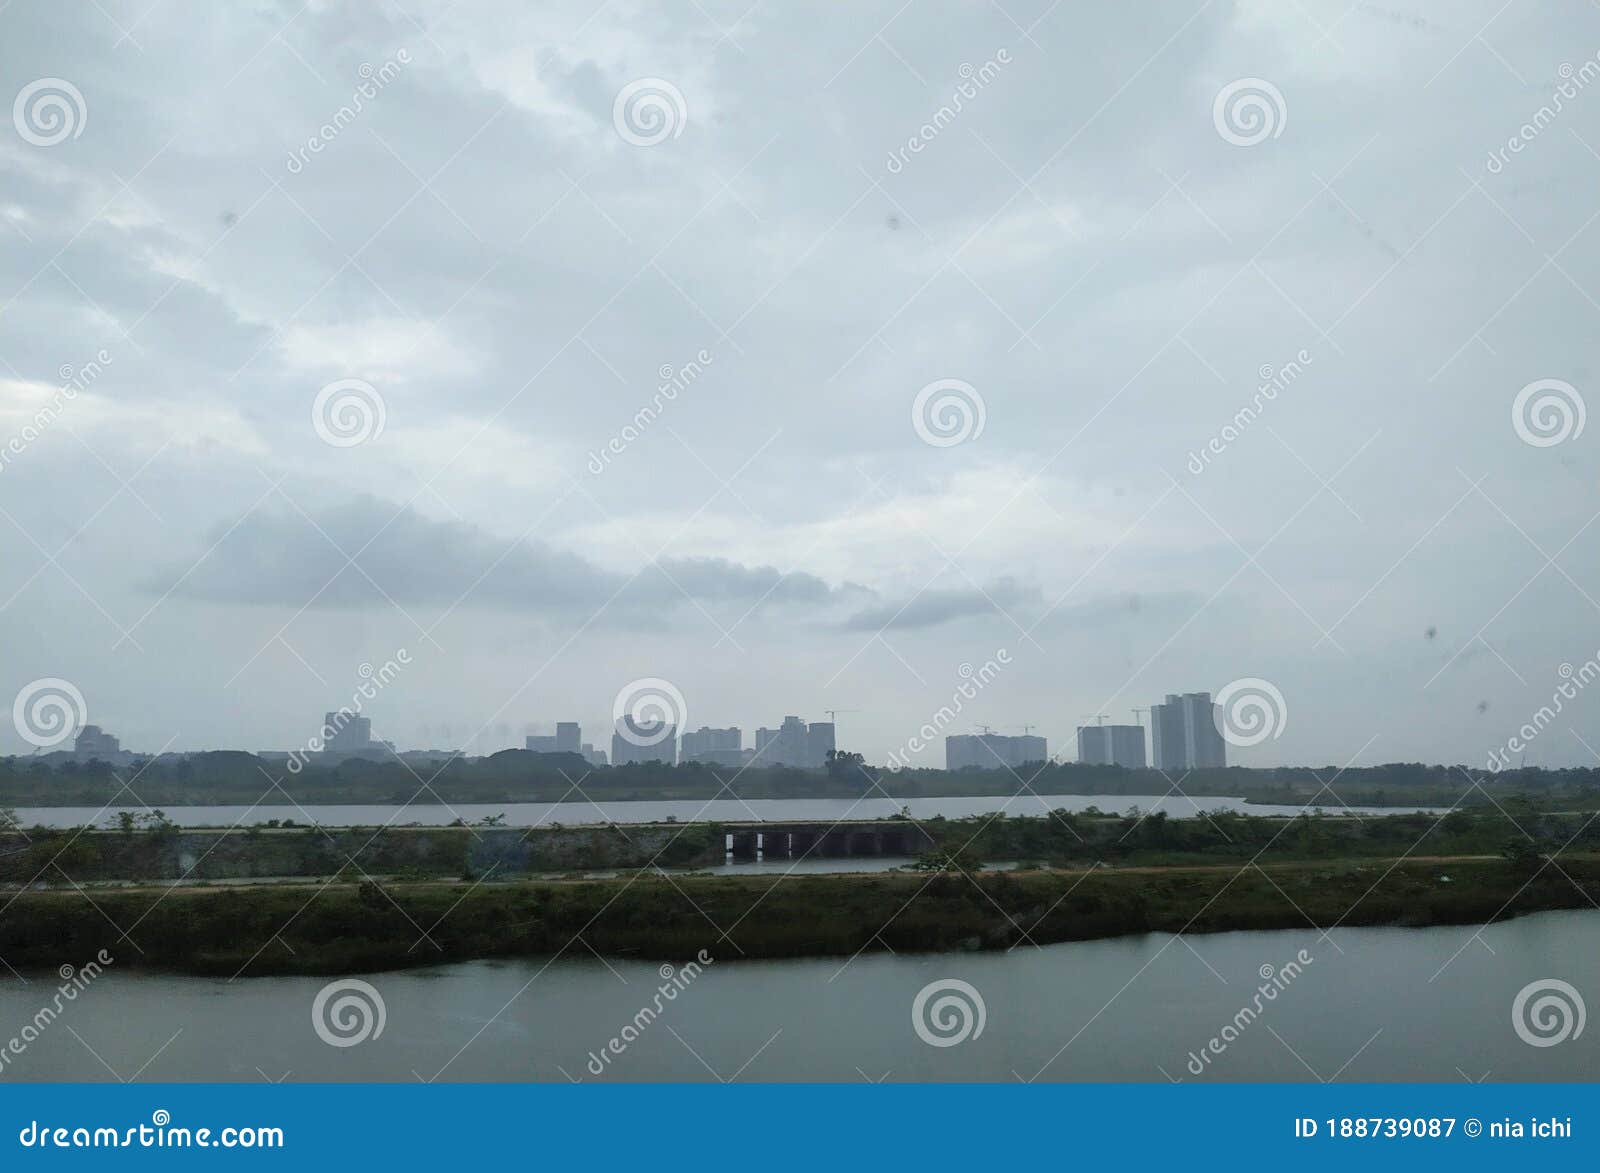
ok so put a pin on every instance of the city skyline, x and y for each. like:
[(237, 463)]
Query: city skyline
[(650, 727)]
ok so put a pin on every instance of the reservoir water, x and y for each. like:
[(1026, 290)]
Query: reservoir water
[(533, 814), (1371, 1004)]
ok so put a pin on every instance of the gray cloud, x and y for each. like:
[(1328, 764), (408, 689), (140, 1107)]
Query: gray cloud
[(365, 553)]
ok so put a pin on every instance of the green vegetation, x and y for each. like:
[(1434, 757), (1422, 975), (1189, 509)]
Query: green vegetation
[(151, 848), (369, 925)]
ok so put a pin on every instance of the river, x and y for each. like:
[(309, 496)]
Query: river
[(533, 814), (1370, 1004)]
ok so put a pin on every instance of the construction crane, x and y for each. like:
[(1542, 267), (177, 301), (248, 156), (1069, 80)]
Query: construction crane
[(1136, 716), (833, 714), (1027, 729), (1097, 718)]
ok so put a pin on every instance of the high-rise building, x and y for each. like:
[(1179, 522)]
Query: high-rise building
[(1184, 735), (819, 742), (1112, 745), (346, 735), (94, 744), (794, 743), (991, 751), (568, 738), (719, 747), (644, 741)]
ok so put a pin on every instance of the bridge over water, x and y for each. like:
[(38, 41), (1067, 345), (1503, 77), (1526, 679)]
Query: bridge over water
[(825, 839)]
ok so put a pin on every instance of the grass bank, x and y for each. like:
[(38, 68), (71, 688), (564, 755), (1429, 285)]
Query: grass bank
[(357, 927)]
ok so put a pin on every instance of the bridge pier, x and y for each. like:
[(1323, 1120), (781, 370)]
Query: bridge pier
[(835, 844), (744, 844), (775, 844)]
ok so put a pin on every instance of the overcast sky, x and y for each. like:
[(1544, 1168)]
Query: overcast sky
[(1103, 248)]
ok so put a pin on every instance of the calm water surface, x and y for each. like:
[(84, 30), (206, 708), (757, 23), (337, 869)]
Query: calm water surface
[(531, 814), (1374, 1004)]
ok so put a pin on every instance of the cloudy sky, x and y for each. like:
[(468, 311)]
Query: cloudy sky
[(386, 392)]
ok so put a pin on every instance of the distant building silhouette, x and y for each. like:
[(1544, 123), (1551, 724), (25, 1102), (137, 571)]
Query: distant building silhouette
[(719, 747), (1183, 733), (346, 735), (989, 751), (93, 744), (568, 738), (1112, 745), (649, 741), (794, 743)]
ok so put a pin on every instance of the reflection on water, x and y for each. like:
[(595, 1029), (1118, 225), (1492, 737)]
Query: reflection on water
[(1371, 1004), (532, 814)]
